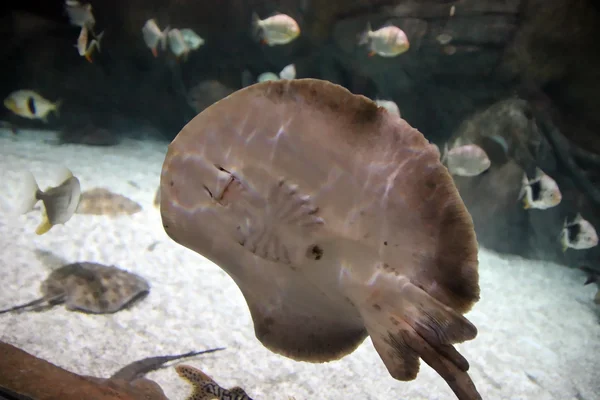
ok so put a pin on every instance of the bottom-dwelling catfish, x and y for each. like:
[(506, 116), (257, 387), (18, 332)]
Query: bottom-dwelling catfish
[(89, 287), (205, 388)]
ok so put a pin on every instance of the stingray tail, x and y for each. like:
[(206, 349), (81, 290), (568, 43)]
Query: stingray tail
[(21, 306), (410, 325)]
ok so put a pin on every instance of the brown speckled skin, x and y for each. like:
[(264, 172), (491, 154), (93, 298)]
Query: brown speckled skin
[(336, 220)]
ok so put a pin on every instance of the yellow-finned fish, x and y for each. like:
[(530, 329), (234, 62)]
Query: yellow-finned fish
[(60, 202), (275, 30), (29, 104)]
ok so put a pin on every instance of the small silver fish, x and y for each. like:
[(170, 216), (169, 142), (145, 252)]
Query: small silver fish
[(389, 105), (29, 104), (579, 234), (467, 160), (80, 14), (541, 192), (443, 38), (267, 76), (191, 39), (60, 202), (388, 41), (82, 43), (288, 72), (276, 30), (177, 44), (153, 36)]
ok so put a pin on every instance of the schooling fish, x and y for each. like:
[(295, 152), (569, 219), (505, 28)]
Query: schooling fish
[(80, 14), (579, 234), (191, 39), (388, 41), (82, 43), (467, 160), (389, 105), (29, 104), (288, 72), (205, 388), (60, 202), (177, 44), (541, 192), (275, 30), (153, 36)]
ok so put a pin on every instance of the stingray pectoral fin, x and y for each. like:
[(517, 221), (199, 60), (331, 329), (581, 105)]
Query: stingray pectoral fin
[(407, 323), (303, 335)]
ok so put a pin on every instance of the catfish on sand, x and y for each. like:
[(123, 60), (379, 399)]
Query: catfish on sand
[(60, 202)]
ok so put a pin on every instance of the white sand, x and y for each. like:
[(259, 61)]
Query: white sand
[(539, 335)]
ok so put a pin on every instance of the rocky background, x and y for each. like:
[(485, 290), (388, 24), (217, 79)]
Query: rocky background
[(528, 67)]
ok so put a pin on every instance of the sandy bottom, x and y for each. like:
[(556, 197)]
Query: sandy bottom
[(539, 334)]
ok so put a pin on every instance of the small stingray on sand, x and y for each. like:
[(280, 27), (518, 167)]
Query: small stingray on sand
[(205, 388), (336, 220), (101, 201), (89, 287)]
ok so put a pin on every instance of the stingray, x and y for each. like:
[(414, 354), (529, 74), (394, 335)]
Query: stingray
[(89, 287), (101, 201), (336, 220)]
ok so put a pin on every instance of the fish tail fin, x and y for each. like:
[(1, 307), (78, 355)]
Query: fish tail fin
[(29, 194), (56, 108), (45, 225), (256, 28), (363, 37), (401, 335), (163, 39), (98, 39), (444, 153), (524, 184)]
